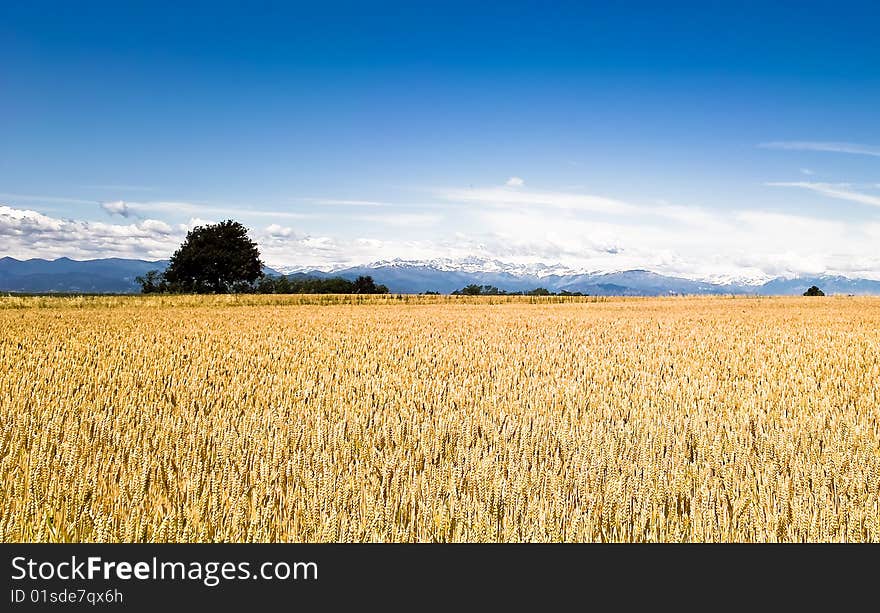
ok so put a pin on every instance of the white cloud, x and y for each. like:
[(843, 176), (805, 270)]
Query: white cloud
[(515, 182), (839, 191), (834, 147), (27, 233), (194, 222), (807, 171), (155, 225), (695, 217), (116, 207), (686, 241), (517, 225), (276, 231)]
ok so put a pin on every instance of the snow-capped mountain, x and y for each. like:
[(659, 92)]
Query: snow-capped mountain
[(749, 279), (530, 271), (466, 265), (441, 275), (446, 275)]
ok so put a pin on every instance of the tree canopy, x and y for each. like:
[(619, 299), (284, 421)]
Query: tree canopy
[(213, 259), (814, 291)]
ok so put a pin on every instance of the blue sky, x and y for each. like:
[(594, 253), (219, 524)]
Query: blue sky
[(705, 139)]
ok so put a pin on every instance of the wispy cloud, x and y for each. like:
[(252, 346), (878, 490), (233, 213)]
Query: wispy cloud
[(834, 147), (402, 219), (206, 209), (121, 188), (48, 199), (335, 202), (839, 191), (515, 182), (145, 208), (506, 197), (572, 202)]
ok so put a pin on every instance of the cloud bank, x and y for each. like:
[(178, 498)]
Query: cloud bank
[(518, 225), (28, 234)]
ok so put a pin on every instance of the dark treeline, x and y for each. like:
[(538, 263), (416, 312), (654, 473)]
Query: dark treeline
[(221, 259), (316, 285), (491, 290), (155, 283)]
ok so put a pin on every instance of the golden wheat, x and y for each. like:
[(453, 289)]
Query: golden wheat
[(402, 418)]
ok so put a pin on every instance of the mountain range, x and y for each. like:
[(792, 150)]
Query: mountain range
[(64, 275), (117, 275), (109, 275)]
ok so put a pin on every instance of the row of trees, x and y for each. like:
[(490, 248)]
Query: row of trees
[(222, 259), (315, 285), (491, 290), (154, 282)]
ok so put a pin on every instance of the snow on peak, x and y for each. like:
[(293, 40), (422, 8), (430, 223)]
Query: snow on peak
[(476, 264)]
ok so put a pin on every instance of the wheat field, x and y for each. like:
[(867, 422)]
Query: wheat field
[(430, 419)]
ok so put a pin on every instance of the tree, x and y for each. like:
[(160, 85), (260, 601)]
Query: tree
[(471, 290), (814, 291), (366, 285), (215, 259), (152, 282)]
